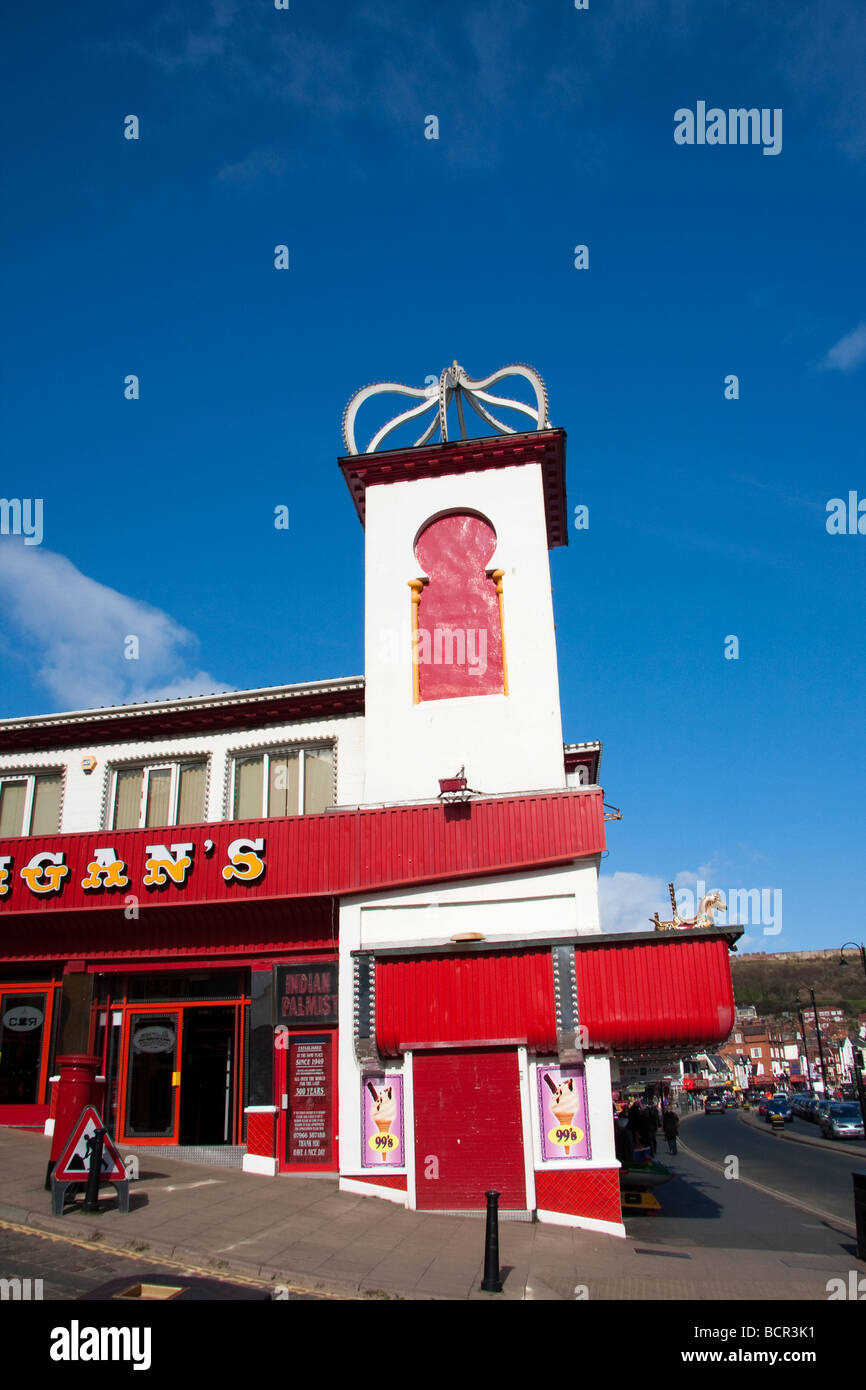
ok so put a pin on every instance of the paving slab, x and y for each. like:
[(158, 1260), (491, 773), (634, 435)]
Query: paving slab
[(305, 1232)]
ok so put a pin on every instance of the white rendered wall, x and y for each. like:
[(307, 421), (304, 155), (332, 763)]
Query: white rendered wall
[(508, 743), (548, 902), (350, 1074), (85, 795)]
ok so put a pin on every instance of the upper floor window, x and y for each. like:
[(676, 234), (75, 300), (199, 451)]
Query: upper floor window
[(151, 794), (283, 782), (30, 803)]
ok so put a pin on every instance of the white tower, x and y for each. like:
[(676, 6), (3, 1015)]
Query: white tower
[(460, 661)]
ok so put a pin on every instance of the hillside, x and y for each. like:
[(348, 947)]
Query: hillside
[(771, 982)]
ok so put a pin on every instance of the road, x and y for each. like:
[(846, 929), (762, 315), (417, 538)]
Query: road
[(72, 1269), (703, 1207)]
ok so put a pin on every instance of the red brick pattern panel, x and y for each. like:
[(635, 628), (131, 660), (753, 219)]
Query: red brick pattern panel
[(397, 1180), (592, 1192), (261, 1134)]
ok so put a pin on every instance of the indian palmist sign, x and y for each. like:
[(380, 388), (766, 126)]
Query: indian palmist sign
[(307, 995)]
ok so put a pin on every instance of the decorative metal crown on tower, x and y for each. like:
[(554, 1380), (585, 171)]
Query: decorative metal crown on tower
[(454, 385)]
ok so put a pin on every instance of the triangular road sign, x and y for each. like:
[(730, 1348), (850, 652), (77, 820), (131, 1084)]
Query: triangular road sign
[(74, 1163)]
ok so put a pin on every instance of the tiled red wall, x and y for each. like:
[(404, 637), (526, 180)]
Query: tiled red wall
[(261, 1134), (397, 1180), (592, 1192)]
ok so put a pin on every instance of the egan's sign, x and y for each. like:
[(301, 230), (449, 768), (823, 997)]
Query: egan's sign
[(47, 873)]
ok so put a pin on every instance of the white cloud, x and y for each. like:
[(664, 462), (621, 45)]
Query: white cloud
[(258, 165), (74, 630), (627, 901), (849, 352)]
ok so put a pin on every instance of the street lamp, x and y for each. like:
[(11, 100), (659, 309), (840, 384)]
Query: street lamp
[(857, 946), (818, 1035)]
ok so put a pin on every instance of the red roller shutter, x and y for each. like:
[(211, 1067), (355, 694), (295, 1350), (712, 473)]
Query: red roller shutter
[(468, 1128)]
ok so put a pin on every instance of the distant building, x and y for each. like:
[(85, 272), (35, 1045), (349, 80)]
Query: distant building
[(771, 1050)]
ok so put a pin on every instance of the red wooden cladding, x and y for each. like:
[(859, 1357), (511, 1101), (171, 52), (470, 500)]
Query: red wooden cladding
[(468, 1130), (215, 933), (428, 1000), (670, 993), (543, 447), (330, 854), (201, 716), (674, 992)]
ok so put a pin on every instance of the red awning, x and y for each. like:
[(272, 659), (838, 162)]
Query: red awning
[(636, 992), (671, 990)]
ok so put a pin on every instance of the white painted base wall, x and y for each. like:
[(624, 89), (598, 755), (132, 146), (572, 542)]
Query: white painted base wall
[(367, 1189), (584, 1223), (257, 1163)]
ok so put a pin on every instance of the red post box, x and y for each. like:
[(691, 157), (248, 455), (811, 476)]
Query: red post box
[(76, 1088)]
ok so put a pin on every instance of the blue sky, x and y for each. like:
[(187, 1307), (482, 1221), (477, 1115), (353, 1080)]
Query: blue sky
[(305, 127)]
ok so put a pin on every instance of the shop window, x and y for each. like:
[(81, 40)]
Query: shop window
[(155, 794), (180, 984), (22, 1020), (30, 803), (283, 782)]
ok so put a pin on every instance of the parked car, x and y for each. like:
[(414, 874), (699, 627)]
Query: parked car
[(821, 1109), (713, 1106), (843, 1120), (809, 1108), (779, 1105)]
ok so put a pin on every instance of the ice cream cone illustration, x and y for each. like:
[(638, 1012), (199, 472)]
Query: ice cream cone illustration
[(384, 1127), (564, 1104), (564, 1118), (384, 1113)]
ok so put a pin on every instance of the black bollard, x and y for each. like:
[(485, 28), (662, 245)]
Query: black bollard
[(860, 1213), (91, 1196), (491, 1282)]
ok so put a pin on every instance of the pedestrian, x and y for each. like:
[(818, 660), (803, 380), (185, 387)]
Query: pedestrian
[(622, 1140), (652, 1126), (634, 1121), (671, 1128), (644, 1130)]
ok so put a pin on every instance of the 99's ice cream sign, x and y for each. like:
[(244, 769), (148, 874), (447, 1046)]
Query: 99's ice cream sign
[(47, 873), (562, 1112)]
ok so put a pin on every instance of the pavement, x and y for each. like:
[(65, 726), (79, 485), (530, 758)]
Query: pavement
[(304, 1234)]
